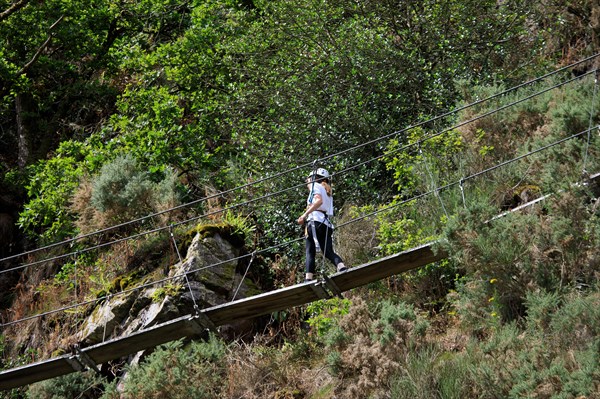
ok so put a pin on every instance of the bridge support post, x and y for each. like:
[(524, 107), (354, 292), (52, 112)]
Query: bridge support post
[(203, 322), (335, 290), (320, 291), (80, 361)]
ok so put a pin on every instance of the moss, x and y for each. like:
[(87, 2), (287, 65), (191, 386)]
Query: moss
[(168, 290), (59, 352), (121, 283)]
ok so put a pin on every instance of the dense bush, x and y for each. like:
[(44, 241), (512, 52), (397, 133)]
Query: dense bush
[(368, 346), (506, 258), (121, 192), (86, 385), (547, 358), (175, 371)]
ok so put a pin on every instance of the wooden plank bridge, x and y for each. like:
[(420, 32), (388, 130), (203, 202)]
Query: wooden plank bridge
[(210, 318)]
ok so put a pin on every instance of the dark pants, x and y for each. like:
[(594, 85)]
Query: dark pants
[(324, 236)]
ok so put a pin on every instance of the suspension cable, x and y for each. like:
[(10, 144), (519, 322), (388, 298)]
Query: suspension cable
[(463, 123), (463, 179), (414, 198), (304, 165), (418, 143)]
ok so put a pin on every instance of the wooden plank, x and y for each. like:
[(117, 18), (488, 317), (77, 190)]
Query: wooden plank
[(25, 375), (190, 325), (262, 304), (181, 327), (386, 267)]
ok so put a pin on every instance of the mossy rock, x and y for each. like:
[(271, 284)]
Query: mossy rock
[(121, 283), (228, 232)]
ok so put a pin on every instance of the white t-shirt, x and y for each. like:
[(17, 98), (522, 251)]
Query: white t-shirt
[(326, 206)]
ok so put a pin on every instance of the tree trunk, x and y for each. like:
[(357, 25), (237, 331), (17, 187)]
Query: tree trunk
[(23, 145)]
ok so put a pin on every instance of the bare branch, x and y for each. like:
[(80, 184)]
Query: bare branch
[(14, 7), (42, 47)]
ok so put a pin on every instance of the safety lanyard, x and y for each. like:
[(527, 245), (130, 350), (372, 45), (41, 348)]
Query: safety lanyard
[(313, 229)]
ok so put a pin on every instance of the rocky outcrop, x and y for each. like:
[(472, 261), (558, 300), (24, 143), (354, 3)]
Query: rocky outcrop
[(214, 276)]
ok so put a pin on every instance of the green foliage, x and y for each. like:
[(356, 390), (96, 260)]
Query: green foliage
[(390, 315), (168, 290), (49, 189), (159, 136), (65, 275), (399, 234), (120, 185), (176, 371), (85, 385), (324, 314), (420, 154), (430, 374), (204, 87), (226, 92), (543, 358), (368, 346), (551, 361), (524, 252), (334, 362), (242, 227)]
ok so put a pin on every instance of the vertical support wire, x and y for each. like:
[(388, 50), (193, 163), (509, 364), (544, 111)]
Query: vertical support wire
[(244, 276), (104, 317), (75, 275), (185, 275), (435, 187), (462, 191), (323, 263), (589, 133), (73, 317)]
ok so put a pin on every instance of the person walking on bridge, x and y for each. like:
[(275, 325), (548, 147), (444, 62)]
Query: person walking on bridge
[(316, 219)]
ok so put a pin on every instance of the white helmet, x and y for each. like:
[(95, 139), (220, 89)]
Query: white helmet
[(319, 172)]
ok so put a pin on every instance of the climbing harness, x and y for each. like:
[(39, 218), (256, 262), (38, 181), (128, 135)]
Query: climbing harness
[(313, 230)]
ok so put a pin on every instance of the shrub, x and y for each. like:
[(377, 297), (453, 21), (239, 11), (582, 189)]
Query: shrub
[(173, 371), (428, 374), (84, 385), (122, 191), (372, 346), (325, 314), (549, 358), (547, 250)]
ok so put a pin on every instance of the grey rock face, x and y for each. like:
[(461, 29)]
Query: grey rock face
[(213, 278)]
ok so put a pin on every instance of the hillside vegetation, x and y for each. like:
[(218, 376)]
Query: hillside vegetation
[(128, 125)]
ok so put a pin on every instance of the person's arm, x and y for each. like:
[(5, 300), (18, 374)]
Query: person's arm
[(317, 202)]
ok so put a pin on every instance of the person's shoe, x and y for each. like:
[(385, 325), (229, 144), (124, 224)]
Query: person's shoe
[(341, 267)]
